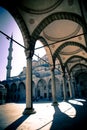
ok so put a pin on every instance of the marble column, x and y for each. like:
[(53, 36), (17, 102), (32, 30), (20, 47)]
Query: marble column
[(70, 87), (73, 89), (29, 106), (64, 87), (73, 84), (53, 88)]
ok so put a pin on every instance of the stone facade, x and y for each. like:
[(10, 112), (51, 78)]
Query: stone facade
[(41, 83)]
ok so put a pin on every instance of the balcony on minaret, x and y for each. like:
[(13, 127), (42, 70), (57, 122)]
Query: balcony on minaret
[(8, 67)]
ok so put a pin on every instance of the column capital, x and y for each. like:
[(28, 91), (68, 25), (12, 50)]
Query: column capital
[(29, 53)]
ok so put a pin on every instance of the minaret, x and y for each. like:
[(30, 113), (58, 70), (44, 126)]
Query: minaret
[(9, 58)]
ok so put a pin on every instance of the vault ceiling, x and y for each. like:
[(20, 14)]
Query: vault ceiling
[(60, 26)]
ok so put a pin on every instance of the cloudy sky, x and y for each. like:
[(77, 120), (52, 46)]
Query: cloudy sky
[(9, 26)]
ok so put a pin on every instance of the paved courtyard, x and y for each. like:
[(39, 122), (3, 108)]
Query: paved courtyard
[(68, 115)]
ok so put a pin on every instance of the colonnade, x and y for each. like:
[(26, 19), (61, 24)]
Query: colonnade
[(29, 105)]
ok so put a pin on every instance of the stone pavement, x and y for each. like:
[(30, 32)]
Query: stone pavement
[(68, 115)]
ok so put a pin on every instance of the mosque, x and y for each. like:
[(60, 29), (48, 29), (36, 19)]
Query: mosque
[(41, 82), (61, 27)]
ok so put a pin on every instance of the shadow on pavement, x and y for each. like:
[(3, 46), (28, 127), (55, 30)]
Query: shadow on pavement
[(61, 121), (16, 123)]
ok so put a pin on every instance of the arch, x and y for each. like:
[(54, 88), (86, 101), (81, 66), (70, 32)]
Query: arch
[(47, 7), (58, 16), (20, 22), (77, 65), (44, 42), (77, 73), (41, 83), (41, 86), (58, 88), (8, 91), (7, 87), (33, 90), (13, 90), (3, 93), (21, 85), (81, 84), (21, 95), (75, 56), (13, 87), (58, 50)]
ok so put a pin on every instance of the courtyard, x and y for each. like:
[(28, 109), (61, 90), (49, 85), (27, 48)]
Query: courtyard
[(67, 115)]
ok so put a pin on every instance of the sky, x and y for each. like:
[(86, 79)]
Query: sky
[(9, 27)]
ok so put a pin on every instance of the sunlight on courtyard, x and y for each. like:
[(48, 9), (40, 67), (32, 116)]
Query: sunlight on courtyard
[(68, 109), (46, 114)]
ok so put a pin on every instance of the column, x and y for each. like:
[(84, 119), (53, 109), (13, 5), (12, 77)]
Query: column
[(64, 87), (70, 87), (72, 84), (72, 80), (64, 83), (53, 88), (29, 106)]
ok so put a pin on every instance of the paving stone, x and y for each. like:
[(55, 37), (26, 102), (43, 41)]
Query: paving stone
[(66, 116)]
